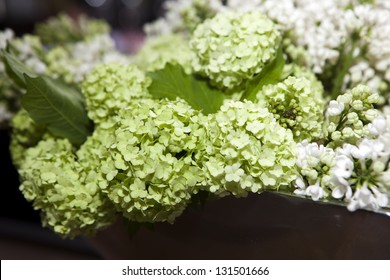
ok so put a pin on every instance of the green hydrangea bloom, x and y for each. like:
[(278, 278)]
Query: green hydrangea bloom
[(152, 169), (110, 88), (158, 51), (66, 193), (63, 29), (247, 150), (297, 103), (233, 47), (348, 117), (25, 134)]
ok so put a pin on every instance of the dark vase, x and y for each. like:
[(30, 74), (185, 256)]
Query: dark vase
[(266, 226)]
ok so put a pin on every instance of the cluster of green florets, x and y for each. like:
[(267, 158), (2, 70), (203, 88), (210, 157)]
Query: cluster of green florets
[(297, 104), (110, 88), (152, 168), (231, 48), (158, 51), (60, 187), (249, 151)]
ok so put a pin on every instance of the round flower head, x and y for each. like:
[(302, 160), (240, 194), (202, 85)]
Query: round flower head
[(110, 88), (297, 104), (151, 170), (60, 187), (233, 47), (158, 51), (248, 150)]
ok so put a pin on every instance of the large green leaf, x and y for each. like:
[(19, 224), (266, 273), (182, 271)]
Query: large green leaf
[(16, 69), (58, 106), (172, 82), (271, 74)]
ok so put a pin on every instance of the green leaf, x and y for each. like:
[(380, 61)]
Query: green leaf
[(58, 106), (16, 69), (271, 74), (173, 82)]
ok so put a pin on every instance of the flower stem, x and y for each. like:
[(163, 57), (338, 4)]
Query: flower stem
[(345, 63)]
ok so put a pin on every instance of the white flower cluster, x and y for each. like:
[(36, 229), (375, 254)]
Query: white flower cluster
[(333, 30), (359, 174), (314, 161), (73, 62), (349, 117)]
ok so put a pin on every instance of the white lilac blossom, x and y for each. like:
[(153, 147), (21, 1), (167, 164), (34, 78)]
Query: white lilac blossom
[(73, 62), (357, 169), (334, 108), (357, 175), (314, 162), (333, 33), (348, 119)]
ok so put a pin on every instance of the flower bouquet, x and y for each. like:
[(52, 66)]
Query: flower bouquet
[(226, 98)]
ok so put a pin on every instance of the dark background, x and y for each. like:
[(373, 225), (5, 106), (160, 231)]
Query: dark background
[(21, 15)]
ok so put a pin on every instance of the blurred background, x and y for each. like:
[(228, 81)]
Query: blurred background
[(126, 17), (21, 234)]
